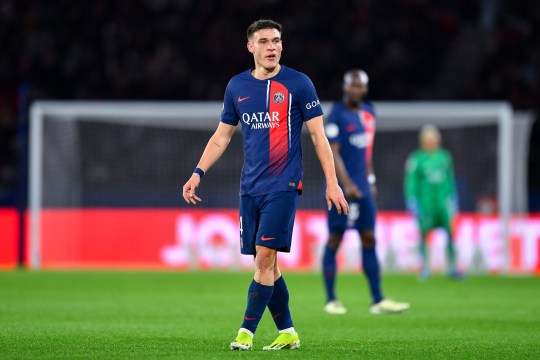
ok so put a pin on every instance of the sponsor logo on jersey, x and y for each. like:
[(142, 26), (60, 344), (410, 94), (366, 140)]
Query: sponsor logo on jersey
[(313, 104), (434, 176), (261, 120), (359, 140), (279, 97)]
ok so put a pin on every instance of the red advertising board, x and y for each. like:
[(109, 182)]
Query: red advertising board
[(209, 239), (9, 238)]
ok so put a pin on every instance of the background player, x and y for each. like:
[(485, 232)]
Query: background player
[(273, 102), (351, 129), (430, 194)]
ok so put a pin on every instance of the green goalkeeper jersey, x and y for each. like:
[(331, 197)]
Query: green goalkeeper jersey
[(429, 180)]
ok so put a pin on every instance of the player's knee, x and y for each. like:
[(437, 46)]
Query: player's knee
[(368, 239), (335, 240), (265, 261)]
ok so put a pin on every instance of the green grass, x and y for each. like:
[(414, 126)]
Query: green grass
[(145, 315)]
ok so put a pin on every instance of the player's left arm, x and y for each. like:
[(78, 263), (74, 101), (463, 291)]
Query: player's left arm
[(369, 154), (453, 196), (371, 172), (372, 179), (334, 194)]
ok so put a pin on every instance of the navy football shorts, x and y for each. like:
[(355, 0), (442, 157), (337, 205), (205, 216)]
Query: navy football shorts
[(268, 221), (361, 216)]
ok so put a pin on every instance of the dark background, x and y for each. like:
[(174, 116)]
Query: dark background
[(187, 50)]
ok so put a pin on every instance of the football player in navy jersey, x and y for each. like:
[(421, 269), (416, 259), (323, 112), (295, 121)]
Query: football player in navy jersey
[(350, 129), (272, 102)]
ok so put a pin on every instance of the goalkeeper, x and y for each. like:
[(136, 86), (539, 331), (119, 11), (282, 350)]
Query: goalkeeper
[(430, 194)]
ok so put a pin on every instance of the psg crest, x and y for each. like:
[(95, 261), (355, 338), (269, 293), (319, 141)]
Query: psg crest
[(279, 97)]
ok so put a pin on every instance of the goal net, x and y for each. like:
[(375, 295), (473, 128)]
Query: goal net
[(90, 159)]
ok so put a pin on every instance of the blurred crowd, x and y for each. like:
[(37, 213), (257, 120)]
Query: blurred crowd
[(188, 49)]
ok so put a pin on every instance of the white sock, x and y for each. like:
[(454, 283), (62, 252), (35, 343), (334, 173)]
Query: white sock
[(244, 330), (288, 331)]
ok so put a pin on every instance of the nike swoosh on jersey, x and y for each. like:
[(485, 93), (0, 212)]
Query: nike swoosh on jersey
[(242, 99), (263, 238)]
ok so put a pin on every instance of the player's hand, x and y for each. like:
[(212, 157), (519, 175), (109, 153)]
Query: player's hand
[(413, 208), (188, 191), (353, 192), (334, 194)]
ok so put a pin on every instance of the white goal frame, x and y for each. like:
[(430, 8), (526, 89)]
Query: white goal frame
[(391, 115)]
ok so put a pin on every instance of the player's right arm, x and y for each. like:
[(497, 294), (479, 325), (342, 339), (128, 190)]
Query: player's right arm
[(411, 184), (214, 149)]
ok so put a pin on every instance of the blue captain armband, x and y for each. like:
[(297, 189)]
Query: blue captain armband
[(199, 171)]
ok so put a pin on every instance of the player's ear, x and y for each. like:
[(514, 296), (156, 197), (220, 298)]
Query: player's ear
[(250, 46)]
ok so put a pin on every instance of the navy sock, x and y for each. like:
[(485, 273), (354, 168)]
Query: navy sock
[(279, 305), (258, 297), (329, 272), (372, 272)]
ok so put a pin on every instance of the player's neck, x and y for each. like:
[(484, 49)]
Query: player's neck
[(352, 105), (263, 73)]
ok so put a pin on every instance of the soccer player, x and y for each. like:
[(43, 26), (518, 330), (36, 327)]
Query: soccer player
[(430, 194), (273, 102), (350, 129)]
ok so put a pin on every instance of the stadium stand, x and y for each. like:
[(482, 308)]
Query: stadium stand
[(187, 49)]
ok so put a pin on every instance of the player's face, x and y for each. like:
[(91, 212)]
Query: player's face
[(266, 47), (355, 92), (430, 142)]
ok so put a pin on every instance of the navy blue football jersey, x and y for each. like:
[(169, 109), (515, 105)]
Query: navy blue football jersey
[(354, 131), (272, 113)]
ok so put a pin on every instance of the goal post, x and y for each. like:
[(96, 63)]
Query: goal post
[(59, 128), (452, 114)]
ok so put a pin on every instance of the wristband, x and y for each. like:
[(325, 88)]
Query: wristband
[(371, 179), (199, 171)]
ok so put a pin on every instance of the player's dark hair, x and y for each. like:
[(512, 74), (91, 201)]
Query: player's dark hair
[(262, 24)]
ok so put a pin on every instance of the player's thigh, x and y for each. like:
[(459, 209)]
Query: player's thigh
[(426, 221), (337, 224), (276, 220), (249, 219), (445, 220), (366, 214)]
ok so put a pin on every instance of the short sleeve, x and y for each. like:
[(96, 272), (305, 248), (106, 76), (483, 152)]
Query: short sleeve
[(331, 128), (308, 101), (411, 164), (228, 114)]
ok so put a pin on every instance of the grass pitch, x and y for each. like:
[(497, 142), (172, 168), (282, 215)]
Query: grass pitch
[(119, 315)]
